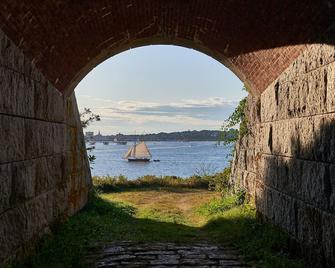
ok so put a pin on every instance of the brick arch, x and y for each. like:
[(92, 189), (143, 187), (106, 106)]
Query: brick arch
[(255, 39), (108, 53)]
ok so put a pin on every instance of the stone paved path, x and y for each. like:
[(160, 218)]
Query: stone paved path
[(128, 254)]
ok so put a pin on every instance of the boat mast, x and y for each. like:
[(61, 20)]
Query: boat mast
[(134, 151)]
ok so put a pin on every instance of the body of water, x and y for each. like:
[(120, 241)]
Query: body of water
[(176, 158)]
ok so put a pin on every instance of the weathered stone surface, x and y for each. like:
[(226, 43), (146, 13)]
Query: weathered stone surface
[(6, 187), (39, 184), (294, 145), (17, 97), (12, 137), (43, 138), (286, 160), (131, 254), (23, 181), (280, 209), (328, 234)]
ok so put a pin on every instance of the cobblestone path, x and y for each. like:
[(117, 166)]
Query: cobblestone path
[(128, 254)]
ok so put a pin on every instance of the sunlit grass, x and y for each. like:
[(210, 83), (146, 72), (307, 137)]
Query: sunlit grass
[(163, 215)]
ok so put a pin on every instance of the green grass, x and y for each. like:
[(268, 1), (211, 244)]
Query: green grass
[(262, 244), (162, 215), (218, 205)]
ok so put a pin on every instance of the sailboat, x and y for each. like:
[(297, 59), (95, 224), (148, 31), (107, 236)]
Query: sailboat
[(139, 152)]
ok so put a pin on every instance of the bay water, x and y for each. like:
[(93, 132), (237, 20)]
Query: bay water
[(181, 159)]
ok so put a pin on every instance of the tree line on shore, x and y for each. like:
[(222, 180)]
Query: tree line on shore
[(194, 135)]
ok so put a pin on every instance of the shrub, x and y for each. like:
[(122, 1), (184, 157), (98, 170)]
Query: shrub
[(220, 182), (117, 183)]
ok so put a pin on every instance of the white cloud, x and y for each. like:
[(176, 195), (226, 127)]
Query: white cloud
[(190, 113)]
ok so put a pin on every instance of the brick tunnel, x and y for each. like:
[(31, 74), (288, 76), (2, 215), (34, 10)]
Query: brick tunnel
[(282, 50)]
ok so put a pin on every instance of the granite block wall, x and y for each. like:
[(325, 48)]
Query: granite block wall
[(287, 161), (44, 172)]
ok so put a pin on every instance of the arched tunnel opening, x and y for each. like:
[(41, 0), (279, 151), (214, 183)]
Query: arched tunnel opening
[(283, 52), (174, 99)]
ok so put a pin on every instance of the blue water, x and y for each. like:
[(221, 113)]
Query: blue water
[(176, 158)]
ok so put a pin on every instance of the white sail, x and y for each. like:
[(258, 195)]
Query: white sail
[(129, 153), (142, 151), (139, 151)]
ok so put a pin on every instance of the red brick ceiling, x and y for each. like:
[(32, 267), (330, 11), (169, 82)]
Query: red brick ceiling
[(256, 39)]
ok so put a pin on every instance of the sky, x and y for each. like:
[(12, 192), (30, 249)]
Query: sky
[(159, 89)]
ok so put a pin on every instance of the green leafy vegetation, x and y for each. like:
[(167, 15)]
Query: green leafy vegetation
[(220, 182), (216, 206), (237, 118), (86, 118), (119, 183)]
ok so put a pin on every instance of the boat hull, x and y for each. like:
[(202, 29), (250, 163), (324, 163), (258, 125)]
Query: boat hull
[(139, 160)]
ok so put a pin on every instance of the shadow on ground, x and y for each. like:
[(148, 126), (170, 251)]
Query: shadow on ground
[(103, 222)]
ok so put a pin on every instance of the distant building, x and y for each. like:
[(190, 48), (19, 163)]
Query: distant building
[(89, 134), (98, 135)]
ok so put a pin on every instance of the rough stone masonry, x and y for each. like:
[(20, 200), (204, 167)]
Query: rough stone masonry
[(44, 172), (287, 161)]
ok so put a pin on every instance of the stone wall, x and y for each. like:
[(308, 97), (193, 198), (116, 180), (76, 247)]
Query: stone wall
[(287, 161), (44, 172)]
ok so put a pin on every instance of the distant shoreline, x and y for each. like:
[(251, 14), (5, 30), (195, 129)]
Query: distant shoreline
[(182, 136)]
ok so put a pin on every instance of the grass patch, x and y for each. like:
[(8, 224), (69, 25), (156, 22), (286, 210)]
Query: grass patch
[(162, 215), (263, 244), (216, 206)]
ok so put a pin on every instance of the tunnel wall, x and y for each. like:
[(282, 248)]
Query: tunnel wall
[(44, 172), (287, 160)]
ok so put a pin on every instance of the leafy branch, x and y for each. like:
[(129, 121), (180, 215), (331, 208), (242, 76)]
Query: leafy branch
[(86, 118), (238, 117)]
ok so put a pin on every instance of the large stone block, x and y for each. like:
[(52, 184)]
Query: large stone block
[(280, 210), (269, 106), (312, 183), (260, 197), (12, 139), (12, 232), (309, 226), (17, 93), (39, 215), (328, 238), (317, 91), (269, 170), (49, 173), (49, 103), (23, 181), (330, 88), (10, 57), (330, 190), (283, 135), (44, 138), (6, 187)]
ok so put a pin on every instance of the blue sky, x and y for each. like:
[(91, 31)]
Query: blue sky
[(159, 88)]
